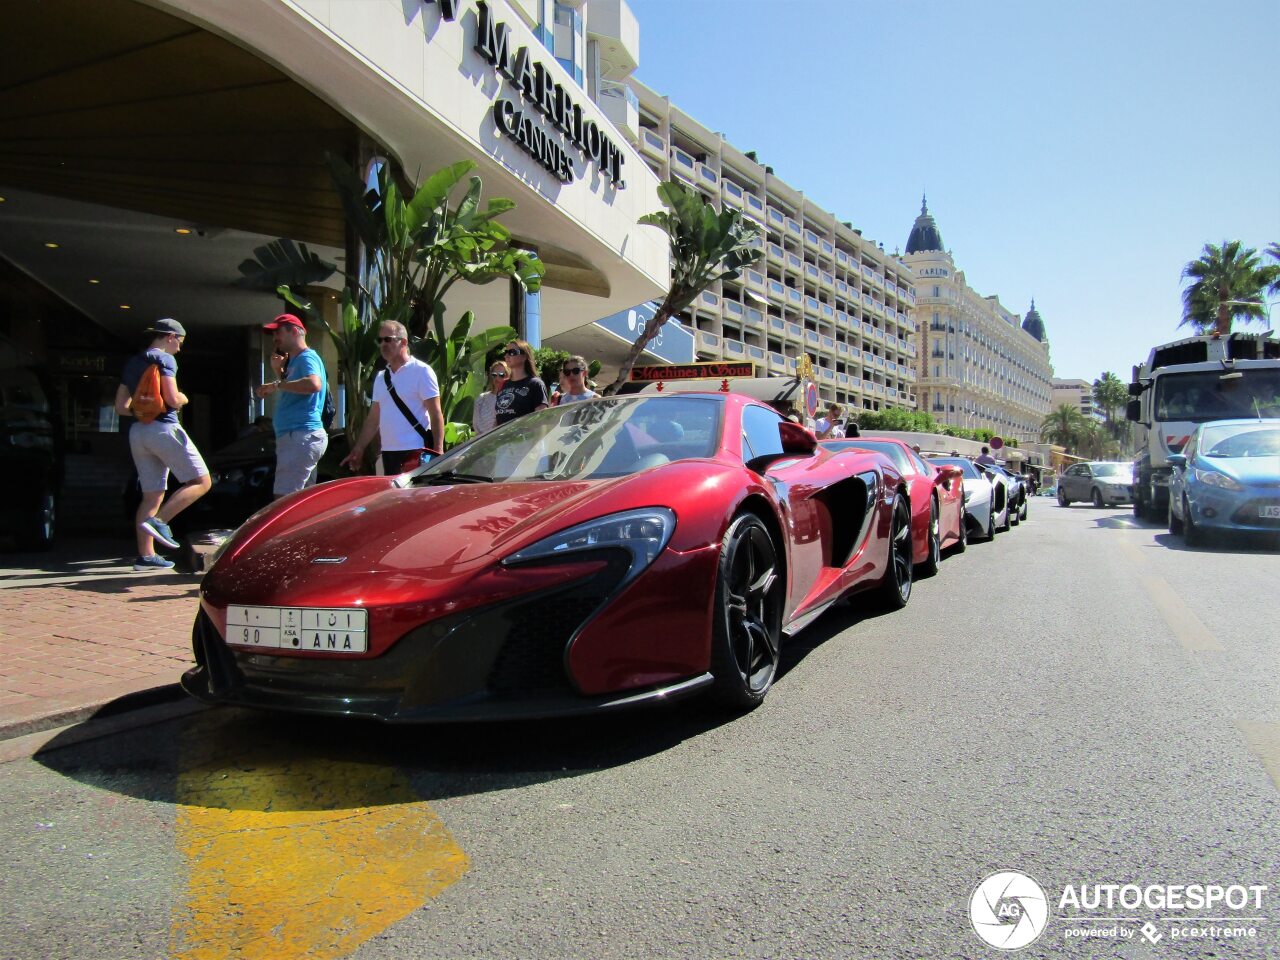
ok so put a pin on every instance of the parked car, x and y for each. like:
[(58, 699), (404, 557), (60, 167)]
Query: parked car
[(1001, 499), (1102, 483), (979, 496), (586, 557), (30, 462), (1018, 492), (937, 498), (1227, 478)]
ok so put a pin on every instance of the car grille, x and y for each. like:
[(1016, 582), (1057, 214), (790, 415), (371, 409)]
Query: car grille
[(1247, 513)]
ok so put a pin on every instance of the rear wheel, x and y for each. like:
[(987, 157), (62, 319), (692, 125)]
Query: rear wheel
[(1096, 499), (962, 544), (748, 626), (895, 590), (930, 565), (1175, 523)]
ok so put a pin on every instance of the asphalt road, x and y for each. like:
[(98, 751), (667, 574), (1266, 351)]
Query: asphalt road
[(1082, 700)]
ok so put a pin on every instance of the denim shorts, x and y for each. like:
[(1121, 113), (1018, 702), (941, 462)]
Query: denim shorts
[(297, 453), (159, 447)]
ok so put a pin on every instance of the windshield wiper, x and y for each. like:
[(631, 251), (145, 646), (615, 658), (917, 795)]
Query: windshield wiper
[(450, 476)]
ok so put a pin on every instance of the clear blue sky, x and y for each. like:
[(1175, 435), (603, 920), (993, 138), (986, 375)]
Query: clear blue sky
[(1078, 153)]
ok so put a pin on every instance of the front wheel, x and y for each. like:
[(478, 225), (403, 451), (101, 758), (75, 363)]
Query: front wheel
[(895, 590), (1175, 523), (1022, 508), (1096, 499), (1062, 499), (1192, 532), (746, 636), (930, 565)]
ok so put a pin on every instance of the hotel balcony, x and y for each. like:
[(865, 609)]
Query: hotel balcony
[(652, 145), (775, 218), (708, 180), (795, 331), (794, 296), (777, 324), (812, 307), (617, 33), (794, 263), (777, 363), (684, 166), (754, 206), (754, 318), (755, 280), (734, 348), (777, 292), (734, 310), (620, 104), (755, 353), (793, 364), (827, 373), (793, 226), (811, 240), (811, 336), (775, 253), (709, 303), (708, 341), (732, 193), (828, 343), (842, 348)]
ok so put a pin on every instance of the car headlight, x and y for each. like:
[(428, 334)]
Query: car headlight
[(642, 533), (1212, 478)]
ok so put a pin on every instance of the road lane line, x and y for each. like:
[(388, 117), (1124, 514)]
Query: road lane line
[(1190, 630), (298, 856), (1263, 740)]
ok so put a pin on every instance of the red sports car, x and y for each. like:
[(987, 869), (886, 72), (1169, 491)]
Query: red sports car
[(937, 498), (589, 556)]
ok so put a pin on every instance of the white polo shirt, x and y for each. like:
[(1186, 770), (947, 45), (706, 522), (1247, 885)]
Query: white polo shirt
[(415, 382)]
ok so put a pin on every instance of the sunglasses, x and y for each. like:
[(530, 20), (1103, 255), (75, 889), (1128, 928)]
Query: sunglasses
[(513, 352), (497, 373), (389, 339), (574, 371)]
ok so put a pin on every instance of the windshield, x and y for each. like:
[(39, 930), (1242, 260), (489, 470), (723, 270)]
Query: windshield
[(1203, 396), (1241, 440), (592, 439), (890, 450), (1124, 470), (966, 466)]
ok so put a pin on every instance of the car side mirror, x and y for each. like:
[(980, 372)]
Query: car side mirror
[(1133, 411), (796, 438), (1177, 460)]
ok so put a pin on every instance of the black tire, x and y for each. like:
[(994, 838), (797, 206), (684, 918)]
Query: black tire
[(1192, 534), (895, 590), (934, 557), (1015, 514), (1175, 524), (747, 633), (1008, 513), (1062, 499), (1023, 507), (961, 545), (1096, 499), (1137, 508), (991, 524), (39, 529)]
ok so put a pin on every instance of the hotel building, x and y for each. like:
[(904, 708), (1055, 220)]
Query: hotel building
[(980, 365), (821, 288), (1078, 394), (151, 146)]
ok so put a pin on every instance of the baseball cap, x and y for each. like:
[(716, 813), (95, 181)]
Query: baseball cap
[(167, 325), (284, 320)]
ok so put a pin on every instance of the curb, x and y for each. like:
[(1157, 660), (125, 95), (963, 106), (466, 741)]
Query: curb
[(100, 709)]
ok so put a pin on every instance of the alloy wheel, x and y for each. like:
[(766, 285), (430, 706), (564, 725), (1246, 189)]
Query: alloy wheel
[(749, 627)]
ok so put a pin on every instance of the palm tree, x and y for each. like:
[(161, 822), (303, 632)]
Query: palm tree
[(706, 246), (1063, 426), (1227, 283), (1273, 251), (1109, 394)]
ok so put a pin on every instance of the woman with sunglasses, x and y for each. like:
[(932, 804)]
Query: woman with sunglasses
[(574, 375), (482, 418), (523, 392)]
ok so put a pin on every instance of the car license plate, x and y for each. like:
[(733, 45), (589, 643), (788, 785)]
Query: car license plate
[(1269, 512), (314, 629)]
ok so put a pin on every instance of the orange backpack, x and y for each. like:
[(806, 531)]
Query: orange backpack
[(146, 403)]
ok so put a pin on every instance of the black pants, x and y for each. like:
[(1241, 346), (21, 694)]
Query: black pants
[(393, 461)]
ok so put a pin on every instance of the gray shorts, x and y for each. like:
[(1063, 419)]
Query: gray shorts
[(297, 453), (159, 447)]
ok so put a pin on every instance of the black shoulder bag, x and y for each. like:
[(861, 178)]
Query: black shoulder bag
[(428, 447)]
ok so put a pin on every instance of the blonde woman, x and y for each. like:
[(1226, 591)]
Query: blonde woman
[(483, 417)]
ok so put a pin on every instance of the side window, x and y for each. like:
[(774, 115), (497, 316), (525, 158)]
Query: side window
[(917, 463), (1085, 471), (760, 432)]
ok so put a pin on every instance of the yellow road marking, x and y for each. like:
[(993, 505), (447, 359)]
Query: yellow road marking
[(1264, 741), (299, 857), (1190, 630)]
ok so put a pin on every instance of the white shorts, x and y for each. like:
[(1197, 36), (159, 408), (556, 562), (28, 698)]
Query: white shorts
[(297, 453), (159, 447)]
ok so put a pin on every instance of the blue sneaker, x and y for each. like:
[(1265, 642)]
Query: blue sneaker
[(152, 562), (160, 530)]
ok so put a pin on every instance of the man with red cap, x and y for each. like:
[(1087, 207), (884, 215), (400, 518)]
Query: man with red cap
[(301, 439)]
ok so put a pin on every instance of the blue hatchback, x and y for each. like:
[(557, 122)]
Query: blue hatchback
[(1227, 477)]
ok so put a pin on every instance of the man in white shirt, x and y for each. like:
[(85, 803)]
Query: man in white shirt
[(829, 427), (407, 440)]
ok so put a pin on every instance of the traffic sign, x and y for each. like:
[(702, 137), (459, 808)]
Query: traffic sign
[(996, 443)]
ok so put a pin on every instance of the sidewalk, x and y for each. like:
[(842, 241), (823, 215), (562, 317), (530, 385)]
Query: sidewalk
[(79, 629)]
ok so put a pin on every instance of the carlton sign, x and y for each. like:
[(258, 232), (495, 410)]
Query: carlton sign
[(547, 96)]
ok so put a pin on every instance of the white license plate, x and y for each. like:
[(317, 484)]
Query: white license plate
[(1269, 513), (314, 629)]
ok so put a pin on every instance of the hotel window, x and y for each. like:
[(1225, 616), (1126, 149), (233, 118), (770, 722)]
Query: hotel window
[(567, 39)]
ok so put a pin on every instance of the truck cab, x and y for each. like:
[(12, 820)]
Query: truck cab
[(1189, 382)]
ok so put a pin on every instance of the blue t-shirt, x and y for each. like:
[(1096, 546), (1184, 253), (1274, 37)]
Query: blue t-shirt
[(137, 365), (301, 411)]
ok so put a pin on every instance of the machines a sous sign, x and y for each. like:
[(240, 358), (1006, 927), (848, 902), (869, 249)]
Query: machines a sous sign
[(551, 99)]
